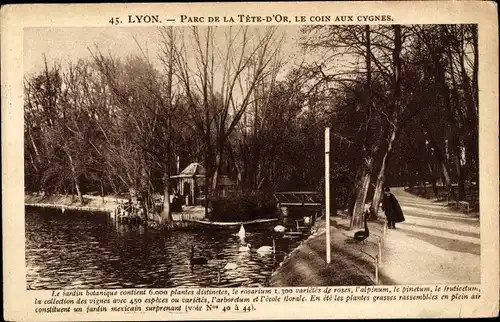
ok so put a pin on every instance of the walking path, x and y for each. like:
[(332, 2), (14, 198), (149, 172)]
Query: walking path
[(434, 245)]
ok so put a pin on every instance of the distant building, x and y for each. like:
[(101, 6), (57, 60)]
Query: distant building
[(190, 184)]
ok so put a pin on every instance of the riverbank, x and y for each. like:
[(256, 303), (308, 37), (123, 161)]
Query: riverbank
[(91, 203), (352, 263), (106, 204)]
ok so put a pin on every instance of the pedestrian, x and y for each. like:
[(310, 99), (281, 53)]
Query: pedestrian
[(392, 209)]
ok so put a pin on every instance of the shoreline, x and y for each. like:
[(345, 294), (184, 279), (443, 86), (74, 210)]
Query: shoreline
[(92, 203), (352, 263), (66, 207), (106, 204)]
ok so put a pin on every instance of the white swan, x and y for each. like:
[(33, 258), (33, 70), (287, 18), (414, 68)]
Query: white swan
[(279, 229), (267, 249), (242, 233), (245, 248), (230, 266)]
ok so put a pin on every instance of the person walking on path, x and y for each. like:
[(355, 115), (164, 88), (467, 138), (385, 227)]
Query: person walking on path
[(392, 209)]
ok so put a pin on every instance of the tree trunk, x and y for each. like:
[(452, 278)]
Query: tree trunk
[(75, 179), (218, 163), (363, 184), (358, 196), (34, 147), (442, 165), (396, 102), (433, 180), (144, 185), (206, 185), (460, 177), (79, 192), (102, 192), (377, 195), (166, 213), (351, 199), (235, 165)]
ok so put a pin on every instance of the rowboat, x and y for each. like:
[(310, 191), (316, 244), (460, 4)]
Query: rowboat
[(235, 224)]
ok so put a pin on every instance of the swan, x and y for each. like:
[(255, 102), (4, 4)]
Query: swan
[(279, 229), (230, 266), (267, 249), (362, 235), (245, 248), (197, 260), (241, 233)]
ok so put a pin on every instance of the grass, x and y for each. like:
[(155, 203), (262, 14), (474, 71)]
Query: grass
[(351, 263)]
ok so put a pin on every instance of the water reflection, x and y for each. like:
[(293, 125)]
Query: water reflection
[(89, 251)]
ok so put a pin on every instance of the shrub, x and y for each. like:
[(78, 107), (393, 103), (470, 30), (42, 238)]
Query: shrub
[(243, 206)]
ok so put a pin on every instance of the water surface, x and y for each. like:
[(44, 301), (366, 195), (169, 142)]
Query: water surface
[(87, 250)]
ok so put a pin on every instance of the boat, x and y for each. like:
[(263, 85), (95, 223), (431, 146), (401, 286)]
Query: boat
[(235, 224)]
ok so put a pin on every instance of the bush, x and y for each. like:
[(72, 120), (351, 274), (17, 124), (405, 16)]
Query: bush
[(243, 207)]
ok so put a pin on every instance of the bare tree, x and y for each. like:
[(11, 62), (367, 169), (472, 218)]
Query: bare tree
[(221, 84)]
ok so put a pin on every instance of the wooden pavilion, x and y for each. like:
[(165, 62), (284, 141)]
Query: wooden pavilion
[(190, 184)]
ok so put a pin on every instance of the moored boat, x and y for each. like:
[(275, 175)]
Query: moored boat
[(236, 224)]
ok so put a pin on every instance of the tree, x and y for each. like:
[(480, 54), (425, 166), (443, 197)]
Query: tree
[(143, 116), (255, 144), (216, 101)]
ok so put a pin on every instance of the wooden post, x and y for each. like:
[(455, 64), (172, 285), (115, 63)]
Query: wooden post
[(379, 252), (192, 192), (327, 193)]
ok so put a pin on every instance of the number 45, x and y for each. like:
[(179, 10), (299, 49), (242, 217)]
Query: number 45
[(115, 21)]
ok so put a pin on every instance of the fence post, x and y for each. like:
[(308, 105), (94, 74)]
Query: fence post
[(327, 193), (379, 251)]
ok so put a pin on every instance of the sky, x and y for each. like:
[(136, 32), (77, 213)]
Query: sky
[(68, 44)]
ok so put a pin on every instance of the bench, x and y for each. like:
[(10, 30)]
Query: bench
[(463, 206), (442, 195)]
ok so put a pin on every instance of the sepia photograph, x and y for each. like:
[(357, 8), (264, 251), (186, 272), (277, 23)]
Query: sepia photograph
[(212, 161), (251, 156)]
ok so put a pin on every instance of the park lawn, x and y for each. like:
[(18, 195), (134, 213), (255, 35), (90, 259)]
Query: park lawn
[(351, 263)]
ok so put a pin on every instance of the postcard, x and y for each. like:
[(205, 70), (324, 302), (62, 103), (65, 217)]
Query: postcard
[(250, 160)]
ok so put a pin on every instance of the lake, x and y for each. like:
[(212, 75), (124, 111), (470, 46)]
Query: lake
[(82, 250)]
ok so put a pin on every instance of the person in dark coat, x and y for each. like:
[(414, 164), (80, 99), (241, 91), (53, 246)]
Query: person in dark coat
[(392, 209)]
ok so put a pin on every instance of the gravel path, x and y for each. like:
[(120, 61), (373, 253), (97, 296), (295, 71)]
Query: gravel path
[(435, 245)]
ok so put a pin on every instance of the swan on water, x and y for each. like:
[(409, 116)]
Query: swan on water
[(267, 249), (245, 248), (279, 229), (242, 233), (230, 266), (197, 260)]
